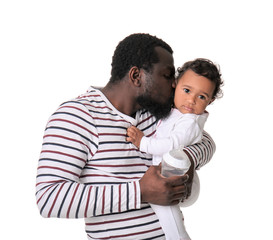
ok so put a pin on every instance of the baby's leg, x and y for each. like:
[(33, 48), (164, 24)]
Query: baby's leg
[(171, 221)]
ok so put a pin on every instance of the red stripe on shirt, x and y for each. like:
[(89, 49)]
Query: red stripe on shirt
[(101, 175), (60, 169), (72, 200), (112, 134), (78, 125), (103, 200), (120, 220), (109, 119), (151, 134), (69, 139), (118, 165), (144, 120), (49, 182), (117, 150), (65, 154), (53, 204), (87, 202), (132, 234), (76, 109)]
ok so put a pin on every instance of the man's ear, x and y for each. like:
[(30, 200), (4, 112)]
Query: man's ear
[(174, 83), (135, 76)]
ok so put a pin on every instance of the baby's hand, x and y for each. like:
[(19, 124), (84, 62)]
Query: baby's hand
[(134, 135)]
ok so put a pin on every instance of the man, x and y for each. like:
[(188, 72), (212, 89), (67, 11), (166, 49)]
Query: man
[(88, 170)]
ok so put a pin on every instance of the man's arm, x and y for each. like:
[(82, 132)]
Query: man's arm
[(201, 153), (70, 140)]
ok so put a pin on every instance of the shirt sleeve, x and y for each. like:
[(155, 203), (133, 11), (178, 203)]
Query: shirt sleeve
[(70, 140), (201, 153), (184, 133)]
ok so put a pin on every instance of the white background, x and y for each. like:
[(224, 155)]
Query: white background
[(52, 51)]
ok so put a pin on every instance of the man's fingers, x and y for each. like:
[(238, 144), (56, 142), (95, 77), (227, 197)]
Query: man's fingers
[(179, 188), (178, 180)]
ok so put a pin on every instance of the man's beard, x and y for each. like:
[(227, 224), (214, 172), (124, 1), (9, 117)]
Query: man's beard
[(159, 110)]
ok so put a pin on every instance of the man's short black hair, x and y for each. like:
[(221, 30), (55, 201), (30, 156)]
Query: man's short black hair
[(136, 50)]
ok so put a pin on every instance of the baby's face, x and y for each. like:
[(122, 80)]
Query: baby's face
[(193, 93)]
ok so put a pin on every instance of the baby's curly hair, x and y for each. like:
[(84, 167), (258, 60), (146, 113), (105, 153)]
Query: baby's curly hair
[(136, 50), (206, 68)]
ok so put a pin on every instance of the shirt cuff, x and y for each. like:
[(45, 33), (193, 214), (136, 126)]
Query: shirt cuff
[(137, 195), (143, 144)]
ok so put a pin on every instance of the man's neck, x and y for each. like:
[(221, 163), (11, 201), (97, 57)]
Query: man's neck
[(121, 97)]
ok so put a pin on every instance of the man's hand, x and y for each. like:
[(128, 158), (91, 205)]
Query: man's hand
[(159, 190), (190, 173)]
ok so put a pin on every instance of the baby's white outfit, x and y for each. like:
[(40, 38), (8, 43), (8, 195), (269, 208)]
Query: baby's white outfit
[(175, 132)]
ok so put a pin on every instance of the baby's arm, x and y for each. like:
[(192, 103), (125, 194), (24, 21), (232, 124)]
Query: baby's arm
[(134, 135)]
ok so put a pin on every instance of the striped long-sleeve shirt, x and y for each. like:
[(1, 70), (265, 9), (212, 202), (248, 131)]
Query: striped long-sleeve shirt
[(88, 170)]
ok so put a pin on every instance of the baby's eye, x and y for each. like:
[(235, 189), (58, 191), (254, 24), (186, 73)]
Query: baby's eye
[(186, 90), (202, 97)]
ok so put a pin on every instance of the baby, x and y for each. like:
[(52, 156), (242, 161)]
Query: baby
[(196, 86)]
